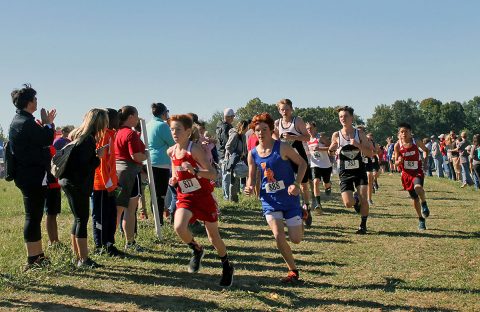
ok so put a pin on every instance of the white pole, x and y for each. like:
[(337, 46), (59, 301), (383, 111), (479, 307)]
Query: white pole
[(151, 182)]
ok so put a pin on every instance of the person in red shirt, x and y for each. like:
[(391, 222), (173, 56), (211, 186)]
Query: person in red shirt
[(129, 154), (53, 205), (104, 206), (407, 158), (192, 175)]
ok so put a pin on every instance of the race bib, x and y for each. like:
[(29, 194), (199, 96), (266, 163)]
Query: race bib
[(274, 187), (410, 164), (374, 159), (365, 160), (317, 154), (190, 185), (352, 164)]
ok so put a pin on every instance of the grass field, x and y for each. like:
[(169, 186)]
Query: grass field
[(394, 267)]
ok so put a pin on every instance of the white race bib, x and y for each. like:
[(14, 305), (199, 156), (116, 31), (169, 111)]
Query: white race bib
[(190, 185), (274, 187), (317, 154), (374, 159), (365, 160), (352, 164), (410, 164)]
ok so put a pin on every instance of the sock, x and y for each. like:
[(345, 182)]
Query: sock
[(33, 259), (317, 199), (194, 245), (363, 224), (421, 219), (225, 261), (424, 203)]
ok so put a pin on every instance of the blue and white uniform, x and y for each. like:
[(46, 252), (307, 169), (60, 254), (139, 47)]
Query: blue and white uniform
[(277, 175)]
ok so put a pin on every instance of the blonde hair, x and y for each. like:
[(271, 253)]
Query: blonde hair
[(94, 123), (285, 102)]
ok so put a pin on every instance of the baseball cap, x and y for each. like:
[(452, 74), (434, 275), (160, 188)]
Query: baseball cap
[(432, 137), (441, 136), (228, 112)]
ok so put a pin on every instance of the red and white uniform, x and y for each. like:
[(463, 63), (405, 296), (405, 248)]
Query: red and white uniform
[(194, 193), (411, 166)]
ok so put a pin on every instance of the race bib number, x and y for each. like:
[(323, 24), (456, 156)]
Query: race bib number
[(274, 187), (190, 185), (352, 164), (317, 154), (365, 160), (410, 164)]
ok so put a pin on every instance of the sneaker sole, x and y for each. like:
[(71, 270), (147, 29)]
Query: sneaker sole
[(231, 283), (200, 266)]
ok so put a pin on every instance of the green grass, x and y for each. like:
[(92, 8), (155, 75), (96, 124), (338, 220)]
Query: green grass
[(394, 267)]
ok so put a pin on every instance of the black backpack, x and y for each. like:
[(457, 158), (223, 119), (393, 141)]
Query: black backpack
[(60, 160), (10, 162)]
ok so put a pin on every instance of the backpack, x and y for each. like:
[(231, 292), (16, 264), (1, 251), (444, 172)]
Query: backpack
[(60, 159), (10, 162)]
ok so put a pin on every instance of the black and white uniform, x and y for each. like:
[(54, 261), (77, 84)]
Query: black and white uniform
[(297, 145), (319, 160), (352, 171)]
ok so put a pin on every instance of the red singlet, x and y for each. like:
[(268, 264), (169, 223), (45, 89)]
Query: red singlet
[(411, 166)]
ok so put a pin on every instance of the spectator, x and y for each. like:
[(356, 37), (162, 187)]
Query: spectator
[(159, 140), (437, 156), (475, 155), (63, 140), (462, 144), (235, 151), (77, 179), (222, 132), (31, 148)]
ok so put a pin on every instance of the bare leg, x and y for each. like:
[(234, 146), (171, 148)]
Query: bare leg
[(34, 248), (214, 238), (276, 225), (362, 192), (52, 229), (129, 220), (182, 217), (348, 199), (75, 250), (82, 248)]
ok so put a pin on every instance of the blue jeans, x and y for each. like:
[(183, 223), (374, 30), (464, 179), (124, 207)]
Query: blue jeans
[(171, 200), (429, 166), (467, 179), (439, 167), (446, 168), (226, 181)]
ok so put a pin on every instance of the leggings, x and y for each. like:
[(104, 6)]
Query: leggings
[(34, 202), (104, 218), (78, 200), (161, 177)]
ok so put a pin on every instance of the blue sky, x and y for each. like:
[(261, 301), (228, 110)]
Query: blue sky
[(202, 56)]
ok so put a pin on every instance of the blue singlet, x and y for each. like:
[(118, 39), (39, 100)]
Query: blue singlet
[(277, 175)]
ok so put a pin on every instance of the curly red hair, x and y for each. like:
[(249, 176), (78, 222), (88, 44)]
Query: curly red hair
[(263, 117)]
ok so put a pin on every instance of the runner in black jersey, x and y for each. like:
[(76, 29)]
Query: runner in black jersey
[(350, 144), (292, 129)]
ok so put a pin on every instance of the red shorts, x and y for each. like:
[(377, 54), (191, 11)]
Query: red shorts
[(407, 180), (204, 208)]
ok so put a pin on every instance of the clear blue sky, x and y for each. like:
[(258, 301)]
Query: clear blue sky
[(202, 56)]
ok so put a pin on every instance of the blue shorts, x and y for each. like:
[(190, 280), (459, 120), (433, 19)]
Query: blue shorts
[(289, 211)]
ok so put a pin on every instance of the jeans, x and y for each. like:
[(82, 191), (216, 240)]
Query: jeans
[(171, 200), (429, 166), (467, 179), (439, 167), (476, 176), (226, 182)]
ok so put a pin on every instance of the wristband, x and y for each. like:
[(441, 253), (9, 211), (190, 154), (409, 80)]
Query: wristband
[(196, 170)]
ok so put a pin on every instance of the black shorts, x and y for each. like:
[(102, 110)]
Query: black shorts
[(352, 182), (376, 166), (136, 190), (413, 194), (308, 174), (323, 174), (53, 201), (368, 166)]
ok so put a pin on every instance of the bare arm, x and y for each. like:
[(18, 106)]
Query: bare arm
[(252, 171), (205, 170), (423, 147), (396, 152), (365, 146), (334, 145), (275, 133), (288, 153), (139, 157)]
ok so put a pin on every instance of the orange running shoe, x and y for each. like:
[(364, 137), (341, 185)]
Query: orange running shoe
[(291, 278)]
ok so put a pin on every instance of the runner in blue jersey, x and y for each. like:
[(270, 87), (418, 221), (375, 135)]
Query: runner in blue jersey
[(280, 189)]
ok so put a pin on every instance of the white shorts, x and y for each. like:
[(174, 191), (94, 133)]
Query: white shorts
[(278, 215)]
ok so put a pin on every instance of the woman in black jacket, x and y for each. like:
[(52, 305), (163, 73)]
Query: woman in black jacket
[(30, 143), (77, 179)]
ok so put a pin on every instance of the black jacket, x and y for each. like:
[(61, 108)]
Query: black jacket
[(222, 136), (31, 147), (81, 165)]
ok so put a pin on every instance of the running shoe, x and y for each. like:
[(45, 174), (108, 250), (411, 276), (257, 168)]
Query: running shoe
[(425, 210), (361, 230), (307, 216), (328, 191), (40, 262), (133, 246), (375, 185), (227, 276), (194, 264), (113, 251), (87, 264), (356, 206), (318, 207), (291, 278), (370, 202), (421, 225)]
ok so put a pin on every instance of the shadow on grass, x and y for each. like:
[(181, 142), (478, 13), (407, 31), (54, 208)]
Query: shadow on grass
[(40, 305), (427, 234), (156, 302)]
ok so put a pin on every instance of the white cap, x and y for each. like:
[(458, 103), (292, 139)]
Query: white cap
[(228, 112)]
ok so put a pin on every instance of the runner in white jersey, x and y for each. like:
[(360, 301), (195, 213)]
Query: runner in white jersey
[(319, 162), (292, 130)]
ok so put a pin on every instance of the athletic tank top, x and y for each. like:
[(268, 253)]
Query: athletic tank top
[(318, 159), (188, 184), (297, 145), (277, 175), (411, 159), (350, 162)]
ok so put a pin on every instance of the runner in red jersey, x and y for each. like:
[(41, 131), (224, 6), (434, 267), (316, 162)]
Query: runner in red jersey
[(192, 175), (407, 158)]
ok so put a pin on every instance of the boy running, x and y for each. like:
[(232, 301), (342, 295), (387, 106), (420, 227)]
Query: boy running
[(407, 158)]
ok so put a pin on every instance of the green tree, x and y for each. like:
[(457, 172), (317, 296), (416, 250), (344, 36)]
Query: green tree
[(431, 112), (381, 123), (453, 116), (472, 114), (2, 135), (256, 106), (211, 124)]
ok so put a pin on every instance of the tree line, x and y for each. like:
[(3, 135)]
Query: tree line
[(427, 117)]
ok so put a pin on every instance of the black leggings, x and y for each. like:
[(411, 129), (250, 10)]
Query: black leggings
[(78, 200), (161, 177), (34, 202)]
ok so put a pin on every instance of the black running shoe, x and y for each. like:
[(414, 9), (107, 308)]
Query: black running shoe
[(425, 210), (361, 230), (113, 251), (307, 216), (227, 276), (328, 191), (87, 264), (194, 264)]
